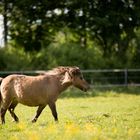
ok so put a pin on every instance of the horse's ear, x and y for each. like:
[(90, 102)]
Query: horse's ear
[(67, 78)]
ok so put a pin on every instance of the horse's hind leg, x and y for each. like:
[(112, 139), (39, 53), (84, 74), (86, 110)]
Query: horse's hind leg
[(4, 106), (3, 110), (2, 114), (11, 110)]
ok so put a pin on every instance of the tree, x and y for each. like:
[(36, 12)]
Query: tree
[(4, 12), (33, 24), (29, 25), (110, 22)]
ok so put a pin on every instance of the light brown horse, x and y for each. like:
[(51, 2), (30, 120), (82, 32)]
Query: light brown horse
[(39, 90)]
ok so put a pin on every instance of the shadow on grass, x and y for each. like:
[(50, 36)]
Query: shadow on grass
[(105, 92)]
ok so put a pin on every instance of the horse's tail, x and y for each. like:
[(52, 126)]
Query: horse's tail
[(0, 91), (1, 80)]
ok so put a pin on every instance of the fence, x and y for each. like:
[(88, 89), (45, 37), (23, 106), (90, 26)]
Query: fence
[(99, 78), (113, 77)]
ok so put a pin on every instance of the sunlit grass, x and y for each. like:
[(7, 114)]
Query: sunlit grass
[(104, 117)]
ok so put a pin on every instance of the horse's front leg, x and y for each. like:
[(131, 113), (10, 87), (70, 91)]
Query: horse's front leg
[(38, 112), (53, 109)]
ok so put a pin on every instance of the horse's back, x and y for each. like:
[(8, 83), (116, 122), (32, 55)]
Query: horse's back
[(28, 90), (31, 90), (15, 85), (10, 80), (7, 81)]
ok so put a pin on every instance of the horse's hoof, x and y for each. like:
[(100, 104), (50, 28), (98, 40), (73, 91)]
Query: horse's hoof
[(56, 121), (3, 122), (33, 121), (16, 121)]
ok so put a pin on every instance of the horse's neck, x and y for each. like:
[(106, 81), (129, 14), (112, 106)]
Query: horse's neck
[(65, 86), (58, 81)]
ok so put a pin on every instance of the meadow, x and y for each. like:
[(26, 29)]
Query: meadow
[(96, 115)]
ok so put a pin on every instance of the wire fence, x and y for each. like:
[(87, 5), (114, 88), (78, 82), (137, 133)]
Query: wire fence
[(98, 77)]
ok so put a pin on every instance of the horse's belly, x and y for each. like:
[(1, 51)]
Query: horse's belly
[(36, 98), (29, 103), (32, 101)]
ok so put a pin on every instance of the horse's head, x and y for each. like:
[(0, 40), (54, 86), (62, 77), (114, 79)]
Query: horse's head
[(74, 76)]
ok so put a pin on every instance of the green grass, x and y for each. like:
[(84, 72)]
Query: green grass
[(97, 115)]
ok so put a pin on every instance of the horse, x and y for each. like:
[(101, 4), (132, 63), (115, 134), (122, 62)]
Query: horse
[(40, 90)]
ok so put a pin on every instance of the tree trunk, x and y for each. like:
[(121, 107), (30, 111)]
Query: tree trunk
[(5, 22)]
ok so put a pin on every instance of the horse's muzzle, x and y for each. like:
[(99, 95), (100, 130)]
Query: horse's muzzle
[(86, 88)]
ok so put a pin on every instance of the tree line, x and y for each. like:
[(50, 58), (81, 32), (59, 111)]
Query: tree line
[(104, 30)]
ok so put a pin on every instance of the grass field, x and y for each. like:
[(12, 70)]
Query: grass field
[(97, 115)]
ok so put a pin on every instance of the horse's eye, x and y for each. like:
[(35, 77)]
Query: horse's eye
[(81, 77)]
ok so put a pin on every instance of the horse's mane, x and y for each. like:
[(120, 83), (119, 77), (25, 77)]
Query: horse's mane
[(58, 70)]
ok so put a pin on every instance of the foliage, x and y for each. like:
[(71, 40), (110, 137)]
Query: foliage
[(71, 54), (13, 59), (90, 118), (87, 33), (62, 54), (112, 22), (136, 50)]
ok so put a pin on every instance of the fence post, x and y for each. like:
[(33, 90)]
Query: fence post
[(91, 81), (126, 77)]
